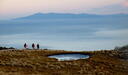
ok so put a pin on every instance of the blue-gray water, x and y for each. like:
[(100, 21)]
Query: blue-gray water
[(66, 34), (62, 57)]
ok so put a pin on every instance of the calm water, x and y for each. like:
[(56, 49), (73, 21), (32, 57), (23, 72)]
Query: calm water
[(65, 34), (62, 57)]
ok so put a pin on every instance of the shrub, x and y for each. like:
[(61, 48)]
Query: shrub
[(1, 48), (123, 52), (122, 48)]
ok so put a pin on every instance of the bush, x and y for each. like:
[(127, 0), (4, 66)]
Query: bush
[(1, 48), (122, 48), (123, 52)]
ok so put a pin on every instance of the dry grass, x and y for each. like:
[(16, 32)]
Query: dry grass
[(36, 62)]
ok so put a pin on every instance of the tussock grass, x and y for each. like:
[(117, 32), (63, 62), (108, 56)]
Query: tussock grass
[(36, 62)]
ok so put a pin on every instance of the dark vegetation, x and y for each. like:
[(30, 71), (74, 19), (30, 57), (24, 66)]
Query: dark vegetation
[(3, 48), (123, 52), (122, 48)]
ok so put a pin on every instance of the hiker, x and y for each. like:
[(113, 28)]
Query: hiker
[(25, 45), (33, 46), (38, 46)]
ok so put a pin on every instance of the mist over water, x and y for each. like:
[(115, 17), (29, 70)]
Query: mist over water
[(65, 34)]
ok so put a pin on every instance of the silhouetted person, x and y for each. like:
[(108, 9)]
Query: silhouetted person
[(33, 46), (25, 45), (38, 46)]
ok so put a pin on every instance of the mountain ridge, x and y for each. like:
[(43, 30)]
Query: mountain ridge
[(66, 15)]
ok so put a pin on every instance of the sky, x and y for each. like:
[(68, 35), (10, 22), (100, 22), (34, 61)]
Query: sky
[(17, 8), (67, 34)]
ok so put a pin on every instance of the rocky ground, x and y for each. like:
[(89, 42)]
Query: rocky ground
[(36, 62)]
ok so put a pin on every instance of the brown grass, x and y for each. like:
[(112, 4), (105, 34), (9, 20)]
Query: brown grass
[(36, 62)]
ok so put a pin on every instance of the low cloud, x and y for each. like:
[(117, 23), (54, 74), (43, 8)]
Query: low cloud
[(101, 39), (118, 34)]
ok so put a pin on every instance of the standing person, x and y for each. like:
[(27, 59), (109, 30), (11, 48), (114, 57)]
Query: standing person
[(38, 46), (25, 45), (33, 46)]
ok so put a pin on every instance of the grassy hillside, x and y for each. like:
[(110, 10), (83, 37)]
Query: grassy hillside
[(36, 62)]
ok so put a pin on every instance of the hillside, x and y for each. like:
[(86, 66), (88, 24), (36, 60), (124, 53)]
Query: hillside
[(36, 62)]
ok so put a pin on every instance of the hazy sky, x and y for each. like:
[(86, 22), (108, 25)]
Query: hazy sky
[(17, 8)]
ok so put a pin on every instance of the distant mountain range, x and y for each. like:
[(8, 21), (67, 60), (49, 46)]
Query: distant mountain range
[(70, 16)]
